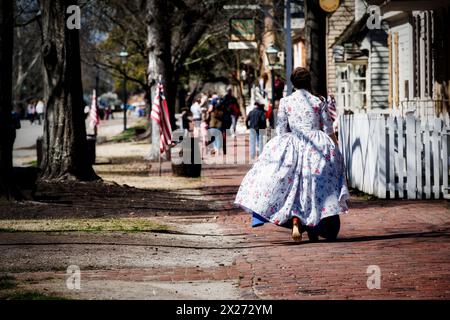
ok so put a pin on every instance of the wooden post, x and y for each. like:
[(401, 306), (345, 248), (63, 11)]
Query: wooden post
[(397, 72), (427, 163), (160, 165), (419, 160), (161, 107), (437, 130), (391, 130), (390, 69), (382, 159), (444, 145), (410, 157)]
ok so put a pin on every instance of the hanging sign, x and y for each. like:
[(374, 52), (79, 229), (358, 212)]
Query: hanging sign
[(242, 45), (329, 6), (242, 30)]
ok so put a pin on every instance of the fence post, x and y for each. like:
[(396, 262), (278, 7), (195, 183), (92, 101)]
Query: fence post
[(382, 159), (400, 158), (410, 156), (427, 162), (445, 143), (351, 128), (419, 159), (391, 132), (436, 158)]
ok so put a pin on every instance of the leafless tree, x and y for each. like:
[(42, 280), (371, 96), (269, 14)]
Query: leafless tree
[(7, 131), (65, 144)]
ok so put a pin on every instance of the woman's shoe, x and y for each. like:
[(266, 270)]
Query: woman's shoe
[(296, 231)]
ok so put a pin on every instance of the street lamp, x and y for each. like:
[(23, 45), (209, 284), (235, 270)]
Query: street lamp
[(272, 58), (124, 55), (272, 55)]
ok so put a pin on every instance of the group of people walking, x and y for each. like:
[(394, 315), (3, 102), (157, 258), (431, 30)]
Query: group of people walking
[(223, 114), (35, 111), (213, 112)]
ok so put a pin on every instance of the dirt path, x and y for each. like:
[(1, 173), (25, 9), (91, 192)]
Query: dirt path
[(124, 265), (194, 259)]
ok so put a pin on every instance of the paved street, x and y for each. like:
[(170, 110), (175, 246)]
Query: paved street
[(412, 252), (25, 144), (213, 253)]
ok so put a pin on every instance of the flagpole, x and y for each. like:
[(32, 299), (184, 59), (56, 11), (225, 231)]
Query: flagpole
[(160, 127), (96, 107)]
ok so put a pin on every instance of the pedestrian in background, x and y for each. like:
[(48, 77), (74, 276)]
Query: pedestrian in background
[(231, 110), (196, 110), (15, 125), (204, 127), (279, 88), (40, 111), (185, 120), (216, 116), (31, 111), (256, 121), (270, 116)]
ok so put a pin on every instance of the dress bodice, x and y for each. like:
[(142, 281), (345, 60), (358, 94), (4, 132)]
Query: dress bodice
[(303, 112)]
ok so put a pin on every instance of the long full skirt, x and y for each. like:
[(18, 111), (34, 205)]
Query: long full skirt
[(297, 175)]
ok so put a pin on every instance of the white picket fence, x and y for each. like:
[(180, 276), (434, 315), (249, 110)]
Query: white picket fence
[(396, 157)]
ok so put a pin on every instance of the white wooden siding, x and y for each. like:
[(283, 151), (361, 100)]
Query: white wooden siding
[(379, 69)]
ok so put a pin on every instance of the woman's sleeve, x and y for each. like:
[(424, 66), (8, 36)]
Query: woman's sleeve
[(282, 121), (327, 122)]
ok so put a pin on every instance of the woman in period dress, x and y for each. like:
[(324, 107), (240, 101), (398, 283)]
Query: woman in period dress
[(299, 181)]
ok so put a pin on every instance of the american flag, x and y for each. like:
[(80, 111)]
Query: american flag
[(93, 113), (332, 107), (160, 114)]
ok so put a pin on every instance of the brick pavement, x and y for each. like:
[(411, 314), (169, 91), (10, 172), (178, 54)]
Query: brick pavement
[(409, 241)]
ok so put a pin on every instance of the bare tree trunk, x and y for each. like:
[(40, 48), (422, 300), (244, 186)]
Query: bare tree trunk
[(167, 58), (7, 131), (315, 35), (20, 58), (65, 144), (159, 64), (19, 64)]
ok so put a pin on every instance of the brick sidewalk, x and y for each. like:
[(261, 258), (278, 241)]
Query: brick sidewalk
[(409, 241)]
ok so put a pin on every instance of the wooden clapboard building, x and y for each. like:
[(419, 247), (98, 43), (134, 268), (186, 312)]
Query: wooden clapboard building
[(403, 67), (358, 66), (337, 22)]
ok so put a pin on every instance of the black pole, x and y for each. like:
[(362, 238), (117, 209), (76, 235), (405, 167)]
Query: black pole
[(161, 123), (125, 100), (272, 72), (271, 120), (97, 82), (289, 50)]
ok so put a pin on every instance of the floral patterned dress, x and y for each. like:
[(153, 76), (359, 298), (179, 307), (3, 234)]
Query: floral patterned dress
[(300, 172)]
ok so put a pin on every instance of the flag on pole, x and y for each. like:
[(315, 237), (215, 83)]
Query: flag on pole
[(332, 107), (93, 113), (160, 114)]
